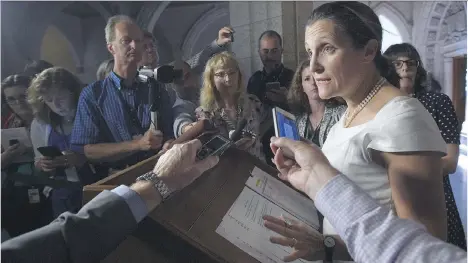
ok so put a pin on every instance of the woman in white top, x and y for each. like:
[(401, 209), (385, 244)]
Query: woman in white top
[(53, 95), (386, 142)]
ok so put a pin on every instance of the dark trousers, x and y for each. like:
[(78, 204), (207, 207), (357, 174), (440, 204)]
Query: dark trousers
[(64, 199), (19, 216)]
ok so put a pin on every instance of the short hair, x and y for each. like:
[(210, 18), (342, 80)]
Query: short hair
[(105, 68), (270, 33), (35, 67), (53, 78), (110, 26), (209, 95)]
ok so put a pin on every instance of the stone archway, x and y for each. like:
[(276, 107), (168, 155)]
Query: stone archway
[(395, 16), (440, 41), (57, 49), (204, 21), (150, 13)]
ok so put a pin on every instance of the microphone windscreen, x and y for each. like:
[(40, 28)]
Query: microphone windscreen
[(236, 135)]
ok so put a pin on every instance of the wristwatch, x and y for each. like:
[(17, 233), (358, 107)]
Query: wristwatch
[(162, 188), (329, 244)]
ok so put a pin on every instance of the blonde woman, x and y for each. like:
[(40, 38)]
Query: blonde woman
[(224, 101)]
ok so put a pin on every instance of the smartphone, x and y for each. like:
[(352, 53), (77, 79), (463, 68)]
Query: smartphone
[(272, 86), (50, 151), (232, 36), (285, 124), (13, 142), (216, 146)]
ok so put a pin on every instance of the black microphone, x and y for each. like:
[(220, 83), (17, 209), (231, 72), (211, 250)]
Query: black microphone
[(237, 133), (154, 100)]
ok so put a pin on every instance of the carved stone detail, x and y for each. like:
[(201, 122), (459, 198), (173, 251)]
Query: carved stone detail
[(146, 12), (431, 36), (440, 8)]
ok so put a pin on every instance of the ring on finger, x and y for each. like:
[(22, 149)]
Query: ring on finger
[(287, 225), (294, 242)]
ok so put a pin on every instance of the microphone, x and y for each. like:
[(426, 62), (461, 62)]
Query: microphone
[(199, 129), (163, 74), (237, 133), (154, 100)]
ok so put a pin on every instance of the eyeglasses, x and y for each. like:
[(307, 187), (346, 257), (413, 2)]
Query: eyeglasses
[(409, 63), (15, 101), (223, 75)]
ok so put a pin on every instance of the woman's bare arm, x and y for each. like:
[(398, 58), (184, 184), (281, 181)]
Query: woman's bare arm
[(417, 188)]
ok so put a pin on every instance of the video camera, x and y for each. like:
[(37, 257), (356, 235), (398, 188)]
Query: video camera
[(162, 74)]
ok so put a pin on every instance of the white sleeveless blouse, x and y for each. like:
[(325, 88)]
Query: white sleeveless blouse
[(402, 125)]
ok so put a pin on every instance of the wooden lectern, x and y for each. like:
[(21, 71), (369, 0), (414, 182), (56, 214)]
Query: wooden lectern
[(183, 228)]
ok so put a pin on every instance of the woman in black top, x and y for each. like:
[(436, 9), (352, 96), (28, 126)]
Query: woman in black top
[(413, 80)]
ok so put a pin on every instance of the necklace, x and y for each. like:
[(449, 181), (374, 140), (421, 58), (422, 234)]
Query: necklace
[(350, 117)]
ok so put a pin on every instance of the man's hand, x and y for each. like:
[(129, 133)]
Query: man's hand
[(151, 140), (49, 164), (224, 36), (178, 167), (277, 95), (245, 143), (305, 166), (167, 145)]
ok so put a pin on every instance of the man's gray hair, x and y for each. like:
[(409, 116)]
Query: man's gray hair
[(110, 26)]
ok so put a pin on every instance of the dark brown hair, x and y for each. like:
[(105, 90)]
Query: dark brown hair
[(408, 50), (35, 67), (360, 23), (12, 81), (297, 98), (47, 80)]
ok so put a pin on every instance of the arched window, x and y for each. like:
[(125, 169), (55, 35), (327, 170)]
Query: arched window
[(57, 50), (391, 34)]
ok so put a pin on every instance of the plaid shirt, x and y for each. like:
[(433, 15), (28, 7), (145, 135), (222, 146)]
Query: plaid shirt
[(373, 233)]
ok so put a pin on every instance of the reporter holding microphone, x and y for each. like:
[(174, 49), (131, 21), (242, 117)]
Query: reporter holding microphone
[(371, 232)]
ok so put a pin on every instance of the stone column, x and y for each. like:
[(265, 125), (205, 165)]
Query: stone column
[(447, 80), (251, 19)]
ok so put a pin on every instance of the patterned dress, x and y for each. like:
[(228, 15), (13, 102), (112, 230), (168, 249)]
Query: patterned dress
[(249, 108), (440, 107), (318, 136)]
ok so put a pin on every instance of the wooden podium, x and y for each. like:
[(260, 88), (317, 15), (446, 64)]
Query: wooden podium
[(183, 228)]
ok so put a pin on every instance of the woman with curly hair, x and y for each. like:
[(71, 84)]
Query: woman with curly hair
[(314, 116), (224, 101)]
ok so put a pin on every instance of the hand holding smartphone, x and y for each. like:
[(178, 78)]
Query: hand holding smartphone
[(50, 151), (285, 124)]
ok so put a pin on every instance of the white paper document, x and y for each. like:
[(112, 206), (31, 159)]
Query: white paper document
[(22, 136), (264, 195)]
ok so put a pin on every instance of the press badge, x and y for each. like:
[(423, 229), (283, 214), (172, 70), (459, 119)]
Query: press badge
[(33, 195)]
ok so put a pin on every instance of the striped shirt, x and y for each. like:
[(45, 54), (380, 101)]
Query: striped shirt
[(373, 233)]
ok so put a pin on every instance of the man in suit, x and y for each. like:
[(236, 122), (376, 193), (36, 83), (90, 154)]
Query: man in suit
[(98, 228)]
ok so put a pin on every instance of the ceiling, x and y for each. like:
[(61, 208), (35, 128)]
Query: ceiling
[(81, 10)]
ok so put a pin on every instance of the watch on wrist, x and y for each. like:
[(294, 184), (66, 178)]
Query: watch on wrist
[(162, 188), (329, 244)]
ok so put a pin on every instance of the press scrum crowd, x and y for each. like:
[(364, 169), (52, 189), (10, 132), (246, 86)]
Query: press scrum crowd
[(378, 142)]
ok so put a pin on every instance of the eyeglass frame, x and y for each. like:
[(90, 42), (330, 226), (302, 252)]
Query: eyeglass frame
[(406, 62)]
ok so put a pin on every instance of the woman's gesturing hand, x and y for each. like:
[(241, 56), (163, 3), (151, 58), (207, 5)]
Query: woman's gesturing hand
[(306, 241)]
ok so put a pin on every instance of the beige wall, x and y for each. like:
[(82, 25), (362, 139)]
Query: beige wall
[(56, 49)]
